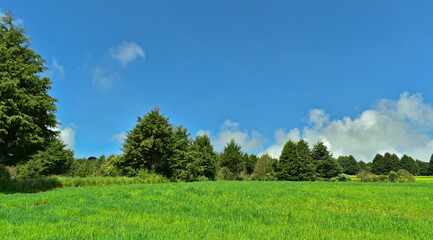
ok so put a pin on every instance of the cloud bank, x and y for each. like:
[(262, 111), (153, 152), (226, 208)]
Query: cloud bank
[(230, 130), (402, 126)]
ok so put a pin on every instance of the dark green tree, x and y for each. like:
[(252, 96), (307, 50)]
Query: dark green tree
[(408, 163), (393, 161), (348, 164), (232, 157), (430, 166), (251, 163), (295, 162), (154, 144), (364, 166), (326, 166), (53, 160), (380, 166), (27, 110), (205, 157), (423, 167)]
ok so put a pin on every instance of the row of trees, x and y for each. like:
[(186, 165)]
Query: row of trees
[(29, 143)]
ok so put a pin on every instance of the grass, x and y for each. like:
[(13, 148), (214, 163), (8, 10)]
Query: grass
[(223, 210)]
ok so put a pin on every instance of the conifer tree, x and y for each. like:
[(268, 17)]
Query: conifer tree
[(326, 166), (27, 110), (430, 166)]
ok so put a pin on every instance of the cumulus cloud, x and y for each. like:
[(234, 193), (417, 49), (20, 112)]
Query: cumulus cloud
[(230, 130), (127, 52), (67, 135), (402, 126), (118, 137), (58, 69)]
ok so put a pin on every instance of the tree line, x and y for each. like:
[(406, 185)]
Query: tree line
[(29, 147)]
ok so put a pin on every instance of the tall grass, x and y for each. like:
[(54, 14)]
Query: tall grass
[(223, 210)]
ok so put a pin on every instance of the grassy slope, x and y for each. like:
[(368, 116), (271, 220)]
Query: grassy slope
[(234, 210)]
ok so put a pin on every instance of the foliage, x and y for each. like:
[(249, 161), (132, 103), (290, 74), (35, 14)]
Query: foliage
[(53, 160), (204, 157), (348, 164), (156, 145), (250, 163), (5, 177), (422, 167), (96, 167), (326, 165), (232, 158), (405, 176), (409, 164), (365, 176), (26, 110), (295, 162), (364, 166), (224, 173), (264, 169), (393, 161), (430, 166), (380, 165), (344, 177)]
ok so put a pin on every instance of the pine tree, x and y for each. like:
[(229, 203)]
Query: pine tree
[(204, 157), (154, 144), (326, 166), (380, 165), (408, 163), (232, 157), (348, 164), (285, 164), (26, 110)]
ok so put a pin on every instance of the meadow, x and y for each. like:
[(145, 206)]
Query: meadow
[(222, 210)]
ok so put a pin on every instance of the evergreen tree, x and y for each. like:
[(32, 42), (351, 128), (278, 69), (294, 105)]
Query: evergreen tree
[(232, 157), (379, 165), (348, 164), (295, 162), (154, 144), (363, 166), (26, 110), (430, 166), (205, 157), (423, 167), (288, 156), (251, 163), (392, 161), (326, 166), (408, 163), (264, 168)]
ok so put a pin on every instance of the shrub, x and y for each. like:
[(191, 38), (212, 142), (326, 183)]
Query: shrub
[(334, 179), (365, 176), (202, 178), (393, 176), (5, 177), (225, 174), (405, 176), (343, 177)]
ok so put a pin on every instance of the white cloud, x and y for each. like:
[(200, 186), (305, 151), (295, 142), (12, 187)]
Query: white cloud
[(400, 126), (67, 135), (202, 132), (230, 130), (58, 69), (101, 79), (127, 52), (18, 21), (118, 137)]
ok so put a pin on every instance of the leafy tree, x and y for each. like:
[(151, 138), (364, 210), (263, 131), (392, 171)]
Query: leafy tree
[(232, 157), (264, 169), (154, 144), (430, 166), (423, 167), (53, 160), (26, 110), (348, 164), (408, 163), (205, 157), (326, 165)]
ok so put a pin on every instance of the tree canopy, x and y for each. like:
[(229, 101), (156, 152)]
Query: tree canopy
[(27, 110)]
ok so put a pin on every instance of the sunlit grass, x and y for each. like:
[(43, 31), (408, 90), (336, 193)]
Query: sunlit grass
[(223, 210)]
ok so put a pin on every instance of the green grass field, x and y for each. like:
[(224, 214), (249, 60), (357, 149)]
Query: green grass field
[(223, 210)]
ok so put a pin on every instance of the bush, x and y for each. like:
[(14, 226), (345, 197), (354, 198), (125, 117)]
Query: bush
[(202, 178), (5, 177), (334, 179), (365, 176), (343, 177), (405, 176), (393, 176), (225, 174)]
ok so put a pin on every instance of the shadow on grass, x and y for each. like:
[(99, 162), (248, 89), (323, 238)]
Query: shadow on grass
[(30, 185)]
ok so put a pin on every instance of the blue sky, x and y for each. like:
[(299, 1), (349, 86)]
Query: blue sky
[(262, 72)]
